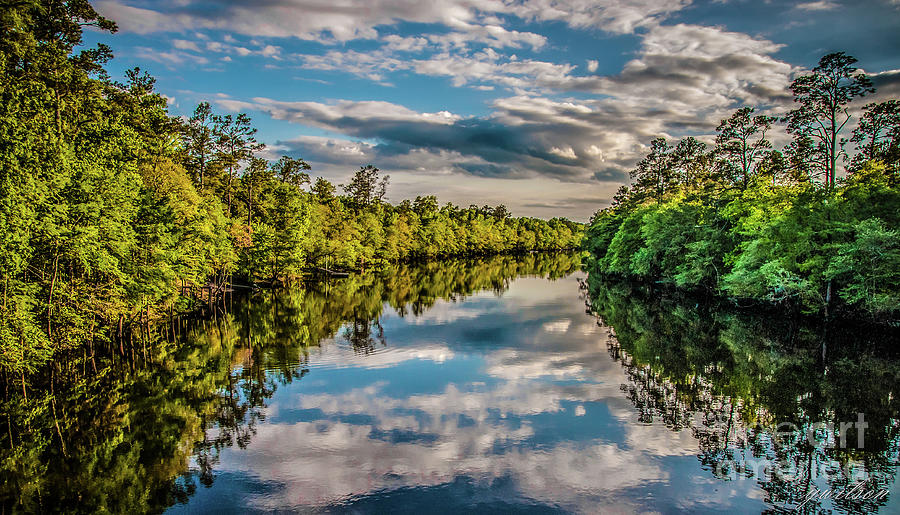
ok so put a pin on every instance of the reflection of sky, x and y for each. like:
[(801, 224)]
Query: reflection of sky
[(492, 403)]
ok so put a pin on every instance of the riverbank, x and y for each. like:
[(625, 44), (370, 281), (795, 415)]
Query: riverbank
[(833, 253)]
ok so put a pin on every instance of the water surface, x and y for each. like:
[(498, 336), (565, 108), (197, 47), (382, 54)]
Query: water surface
[(517, 397), (498, 385)]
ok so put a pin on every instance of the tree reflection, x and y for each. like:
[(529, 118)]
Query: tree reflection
[(135, 425), (731, 377)]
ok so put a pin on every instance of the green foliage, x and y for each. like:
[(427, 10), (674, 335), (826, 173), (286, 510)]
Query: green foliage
[(869, 267), (111, 209), (749, 222), (742, 143), (714, 369)]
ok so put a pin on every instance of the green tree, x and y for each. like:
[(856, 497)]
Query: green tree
[(692, 162), (654, 175), (366, 187), (323, 190), (292, 170), (869, 265), (200, 139), (877, 136), (236, 143), (742, 144), (822, 114)]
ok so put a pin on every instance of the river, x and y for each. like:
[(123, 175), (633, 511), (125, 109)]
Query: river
[(500, 385)]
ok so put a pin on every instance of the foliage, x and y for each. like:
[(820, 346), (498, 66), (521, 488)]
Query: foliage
[(111, 209), (749, 222)]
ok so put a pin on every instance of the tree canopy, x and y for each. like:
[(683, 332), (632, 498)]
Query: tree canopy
[(749, 221)]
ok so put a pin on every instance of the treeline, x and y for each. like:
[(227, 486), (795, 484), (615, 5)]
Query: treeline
[(747, 221), (108, 205)]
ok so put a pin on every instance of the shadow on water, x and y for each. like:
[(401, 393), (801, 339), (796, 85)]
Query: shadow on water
[(118, 433), (759, 397)]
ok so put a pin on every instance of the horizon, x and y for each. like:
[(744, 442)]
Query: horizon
[(540, 105)]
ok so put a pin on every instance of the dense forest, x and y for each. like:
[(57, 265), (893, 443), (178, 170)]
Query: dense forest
[(753, 223), (110, 207)]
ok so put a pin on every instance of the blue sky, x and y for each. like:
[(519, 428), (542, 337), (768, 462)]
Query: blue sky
[(543, 105)]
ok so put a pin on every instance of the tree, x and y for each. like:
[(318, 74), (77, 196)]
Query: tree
[(292, 170), (323, 190), (775, 166), (257, 174), (200, 138), (38, 44), (426, 206), (236, 143), (692, 162), (870, 266), (802, 158), (366, 188), (501, 213), (654, 175), (878, 134), (742, 144), (104, 211), (823, 96)]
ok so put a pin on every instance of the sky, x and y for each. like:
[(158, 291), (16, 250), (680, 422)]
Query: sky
[(542, 105)]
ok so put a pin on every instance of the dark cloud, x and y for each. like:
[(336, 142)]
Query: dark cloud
[(887, 84), (541, 147)]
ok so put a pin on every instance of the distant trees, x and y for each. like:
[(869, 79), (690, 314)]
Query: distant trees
[(691, 161), (292, 170), (199, 142), (654, 174), (235, 143), (323, 190)]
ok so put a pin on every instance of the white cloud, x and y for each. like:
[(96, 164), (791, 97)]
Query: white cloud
[(343, 20), (169, 58), (404, 44), (682, 80), (558, 326), (565, 152), (616, 16), (182, 44), (455, 431), (821, 5)]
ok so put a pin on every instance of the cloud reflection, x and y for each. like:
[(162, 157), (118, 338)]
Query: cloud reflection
[(543, 412)]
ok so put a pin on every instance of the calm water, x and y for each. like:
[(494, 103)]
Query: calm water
[(494, 386)]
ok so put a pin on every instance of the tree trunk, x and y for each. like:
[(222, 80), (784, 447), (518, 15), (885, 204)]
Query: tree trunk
[(250, 205), (50, 295)]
